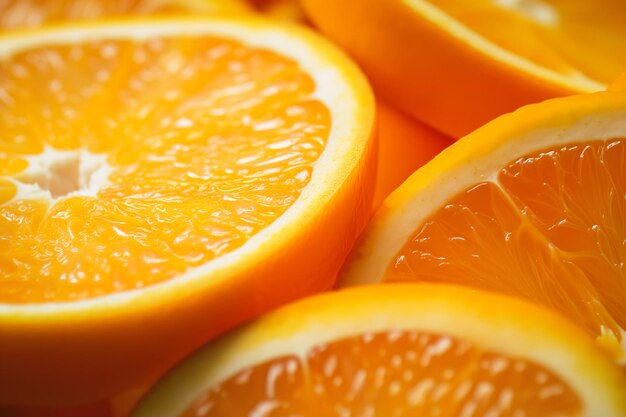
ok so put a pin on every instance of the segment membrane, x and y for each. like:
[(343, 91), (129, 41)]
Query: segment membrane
[(551, 229)]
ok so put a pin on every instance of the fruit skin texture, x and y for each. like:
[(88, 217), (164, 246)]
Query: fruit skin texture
[(404, 144), (86, 351), (432, 75), (503, 324)]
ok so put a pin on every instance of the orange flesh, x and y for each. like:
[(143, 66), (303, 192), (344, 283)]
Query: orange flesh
[(552, 231), (209, 140), (32, 13), (563, 35), (392, 374)]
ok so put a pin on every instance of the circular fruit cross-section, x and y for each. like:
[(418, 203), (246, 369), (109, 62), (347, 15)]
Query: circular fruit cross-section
[(396, 350), (161, 182)]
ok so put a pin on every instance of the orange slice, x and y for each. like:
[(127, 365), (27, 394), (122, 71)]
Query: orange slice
[(532, 204), (166, 180), (457, 64), (32, 13), (397, 350)]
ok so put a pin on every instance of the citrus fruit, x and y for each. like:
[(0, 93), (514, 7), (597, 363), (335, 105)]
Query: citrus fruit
[(32, 13), (531, 204), (457, 64), (162, 181), (404, 144), (396, 350)]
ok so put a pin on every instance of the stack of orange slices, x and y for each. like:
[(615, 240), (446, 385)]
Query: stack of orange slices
[(171, 169)]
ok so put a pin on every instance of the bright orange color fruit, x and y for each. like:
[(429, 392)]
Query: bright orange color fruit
[(396, 350), (456, 64), (32, 13), (162, 182), (618, 84), (532, 204), (404, 144)]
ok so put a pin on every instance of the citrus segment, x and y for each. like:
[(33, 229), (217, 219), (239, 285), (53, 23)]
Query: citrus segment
[(207, 140), (32, 13), (536, 210), (541, 232), (400, 358), (406, 372), (7, 191), (436, 59), (169, 171)]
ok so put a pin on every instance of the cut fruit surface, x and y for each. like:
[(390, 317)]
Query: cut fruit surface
[(400, 350), (436, 59), (32, 13), (532, 205), (204, 142), (162, 171)]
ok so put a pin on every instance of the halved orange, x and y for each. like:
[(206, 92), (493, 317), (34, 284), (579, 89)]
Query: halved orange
[(532, 204), (456, 64), (161, 182), (396, 350), (32, 13)]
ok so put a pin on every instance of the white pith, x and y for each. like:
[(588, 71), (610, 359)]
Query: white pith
[(333, 167), (54, 174)]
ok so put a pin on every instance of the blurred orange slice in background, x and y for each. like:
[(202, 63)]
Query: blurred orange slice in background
[(457, 64), (533, 204), (33, 13), (161, 182), (396, 350)]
